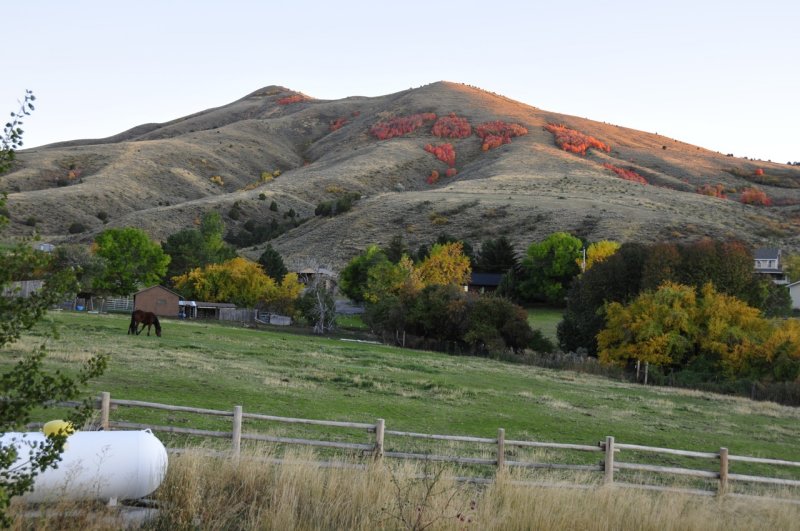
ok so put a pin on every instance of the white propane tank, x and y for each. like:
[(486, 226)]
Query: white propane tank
[(96, 465)]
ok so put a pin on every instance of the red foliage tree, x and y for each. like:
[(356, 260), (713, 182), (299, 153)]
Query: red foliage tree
[(401, 125), (574, 141), (443, 152), (451, 172), (754, 196), (497, 133), (451, 126), (759, 172), (628, 175), (338, 123), (433, 178), (717, 191)]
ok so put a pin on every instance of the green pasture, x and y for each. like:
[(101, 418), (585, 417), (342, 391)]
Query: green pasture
[(208, 365), (545, 319)]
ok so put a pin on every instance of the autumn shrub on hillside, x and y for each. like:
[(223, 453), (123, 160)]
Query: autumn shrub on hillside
[(451, 172), (338, 124), (452, 126), (628, 175), (754, 196), (400, 125), (495, 134), (443, 152), (759, 172), (574, 141), (294, 98), (433, 178), (716, 190)]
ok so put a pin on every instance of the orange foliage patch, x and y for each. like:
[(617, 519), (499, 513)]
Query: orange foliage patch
[(759, 172), (497, 133), (451, 172), (402, 125), (443, 152), (754, 196), (294, 98), (338, 123), (452, 126), (574, 141), (717, 191), (628, 175), (433, 178)]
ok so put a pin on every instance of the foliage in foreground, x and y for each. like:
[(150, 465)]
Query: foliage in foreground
[(26, 385)]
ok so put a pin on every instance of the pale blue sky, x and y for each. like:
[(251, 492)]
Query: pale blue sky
[(724, 75)]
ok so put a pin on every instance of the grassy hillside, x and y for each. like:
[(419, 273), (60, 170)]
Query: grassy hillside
[(163, 177), (214, 366)]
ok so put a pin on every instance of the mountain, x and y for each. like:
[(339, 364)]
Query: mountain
[(277, 145)]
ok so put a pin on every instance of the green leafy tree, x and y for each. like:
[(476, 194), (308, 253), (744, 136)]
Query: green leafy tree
[(27, 386), (617, 279), (272, 263), (791, 266), (549, 267), (192, 248), (131, 260), (354, 278)]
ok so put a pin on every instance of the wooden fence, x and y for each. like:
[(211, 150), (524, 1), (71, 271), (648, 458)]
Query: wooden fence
[(608, 449)]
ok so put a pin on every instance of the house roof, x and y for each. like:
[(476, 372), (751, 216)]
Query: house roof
[(158, 286), (793, 284), (485, 279), (766, 253)]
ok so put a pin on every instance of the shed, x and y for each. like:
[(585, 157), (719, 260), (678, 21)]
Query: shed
[(794, 293), (214, 310), (157, 299)]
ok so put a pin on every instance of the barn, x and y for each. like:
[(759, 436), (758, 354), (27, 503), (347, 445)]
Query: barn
[(157, 299)]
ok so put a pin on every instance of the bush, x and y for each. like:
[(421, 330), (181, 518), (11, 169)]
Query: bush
[(628, 175), (433, 178), (31, 221), (754, 196), (495, 134), (216, 179), (717, 191), (263, 197), (273, 206), (338, 124), (401, 125), (574, 141), (443, 152), (294, 98), (337, 206), (77, 228), (451, 126), (102, 216)]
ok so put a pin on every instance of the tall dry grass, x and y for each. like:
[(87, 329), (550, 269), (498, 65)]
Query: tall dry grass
[(213, 493), (219, 494)]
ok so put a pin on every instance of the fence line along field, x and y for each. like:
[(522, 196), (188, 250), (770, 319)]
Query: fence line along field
[(208, 365)]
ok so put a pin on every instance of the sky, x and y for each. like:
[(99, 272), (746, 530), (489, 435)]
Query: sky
[(721, 75)]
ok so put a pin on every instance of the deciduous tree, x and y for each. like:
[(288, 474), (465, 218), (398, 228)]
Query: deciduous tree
[(549, 267), (131, 260)]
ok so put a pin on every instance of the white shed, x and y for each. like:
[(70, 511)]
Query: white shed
[(794, 293)]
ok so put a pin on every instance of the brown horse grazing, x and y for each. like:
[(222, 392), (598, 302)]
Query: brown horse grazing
[(147, 319)]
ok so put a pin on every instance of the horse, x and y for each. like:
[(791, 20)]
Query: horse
[(147, 319)]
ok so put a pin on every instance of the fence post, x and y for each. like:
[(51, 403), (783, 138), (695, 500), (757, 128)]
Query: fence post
[(608, 465), (501, 448), (380, 428), (236, 438), (105, 409), (723, 471)]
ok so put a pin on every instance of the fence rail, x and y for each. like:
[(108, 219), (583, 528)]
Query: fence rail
[(376, 448)]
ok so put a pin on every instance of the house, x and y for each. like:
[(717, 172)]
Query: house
[(768, 262), (794, 293), (484, 282), (157, 299)]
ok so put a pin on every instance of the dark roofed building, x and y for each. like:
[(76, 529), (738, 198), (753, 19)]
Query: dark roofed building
[(484, 282)]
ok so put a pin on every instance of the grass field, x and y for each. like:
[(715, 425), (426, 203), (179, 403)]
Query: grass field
[(545, 319), (214, 366)]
